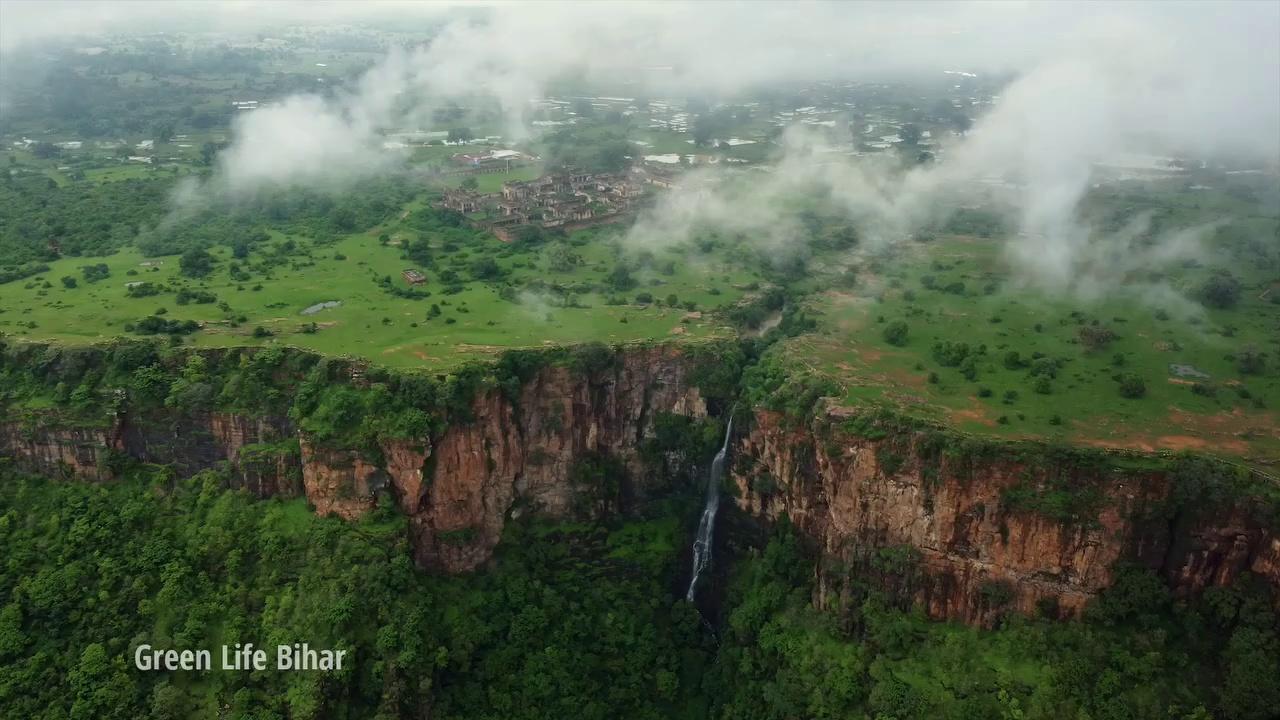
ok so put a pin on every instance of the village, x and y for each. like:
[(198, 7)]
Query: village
[(566, 199)]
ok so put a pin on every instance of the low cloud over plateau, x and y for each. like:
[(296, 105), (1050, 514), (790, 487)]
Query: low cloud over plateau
[(1088, 83)]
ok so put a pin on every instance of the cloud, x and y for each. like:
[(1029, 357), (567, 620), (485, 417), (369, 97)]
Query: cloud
[(1202, 76), (1123, 91), (313, 140), (1091, 80)]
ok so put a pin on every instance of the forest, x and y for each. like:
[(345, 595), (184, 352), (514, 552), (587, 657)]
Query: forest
[(218, 228), (573, 618)]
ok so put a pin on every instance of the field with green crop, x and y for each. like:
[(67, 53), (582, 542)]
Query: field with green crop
[(1122, 372)]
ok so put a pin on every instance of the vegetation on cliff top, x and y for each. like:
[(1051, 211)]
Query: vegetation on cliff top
[(330, 399)]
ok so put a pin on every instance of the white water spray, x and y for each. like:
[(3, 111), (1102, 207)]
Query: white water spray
[(707, 525)]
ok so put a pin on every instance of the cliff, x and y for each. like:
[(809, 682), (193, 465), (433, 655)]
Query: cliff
[(970, 533), (969, 530), (514, 451), (459, 489)]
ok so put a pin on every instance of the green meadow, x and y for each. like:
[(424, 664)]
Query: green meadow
[(958, 290), (542, 306)]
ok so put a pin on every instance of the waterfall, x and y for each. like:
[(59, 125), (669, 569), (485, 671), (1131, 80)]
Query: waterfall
[(707, 525)]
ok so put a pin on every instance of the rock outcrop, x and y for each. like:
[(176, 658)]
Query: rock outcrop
[(56, 451), (969, 536), (458, 489), (947, 533)]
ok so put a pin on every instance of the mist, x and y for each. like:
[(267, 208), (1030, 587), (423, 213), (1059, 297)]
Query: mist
[(1091, 81)]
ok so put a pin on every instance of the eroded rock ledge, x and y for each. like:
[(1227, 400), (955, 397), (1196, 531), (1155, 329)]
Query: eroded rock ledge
[(969, 530), (458, 489)]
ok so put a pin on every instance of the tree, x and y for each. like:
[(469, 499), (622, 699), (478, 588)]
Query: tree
[(530, 235), (102, 689), (94, 273), (705, 127), (895, 333), (343, 218), (68, 282), (1249, 689), (612, 156), (1251, 361), (1132, 386), (208, 152), (1043, 385), (469, 183), (460, 134), (45, 150), (486, 268), (195, 262), (910, 134), (1221, 290), (561, 258), (620, 278), (1095, 337)]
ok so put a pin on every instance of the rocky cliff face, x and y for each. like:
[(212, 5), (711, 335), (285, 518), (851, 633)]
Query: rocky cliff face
[(60, 452), (968, 536), (257, 452), (889, 514), (458, 489)]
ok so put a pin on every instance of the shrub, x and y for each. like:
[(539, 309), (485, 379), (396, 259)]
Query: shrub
[(1095, 337), (200, 297), (195, 262), (154, 325), (895, 333), (1132, 386), (1044, 367), (94, 273), (1221, 290), (1251, 361), (950, 354), (142, 289)]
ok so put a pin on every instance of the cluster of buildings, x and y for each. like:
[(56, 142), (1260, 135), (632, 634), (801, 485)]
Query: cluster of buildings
[(488, 161), (567, 198)]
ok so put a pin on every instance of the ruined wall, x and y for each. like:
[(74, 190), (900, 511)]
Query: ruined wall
[(943, 534)]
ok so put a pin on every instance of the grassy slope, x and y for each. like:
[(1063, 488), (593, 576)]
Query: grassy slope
[(370, 322), (851, 347)]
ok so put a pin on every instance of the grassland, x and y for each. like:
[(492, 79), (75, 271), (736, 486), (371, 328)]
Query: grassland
[(1211, 407), (371, 322)]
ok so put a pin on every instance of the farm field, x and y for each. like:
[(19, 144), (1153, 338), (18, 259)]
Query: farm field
[(1198, 393)]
